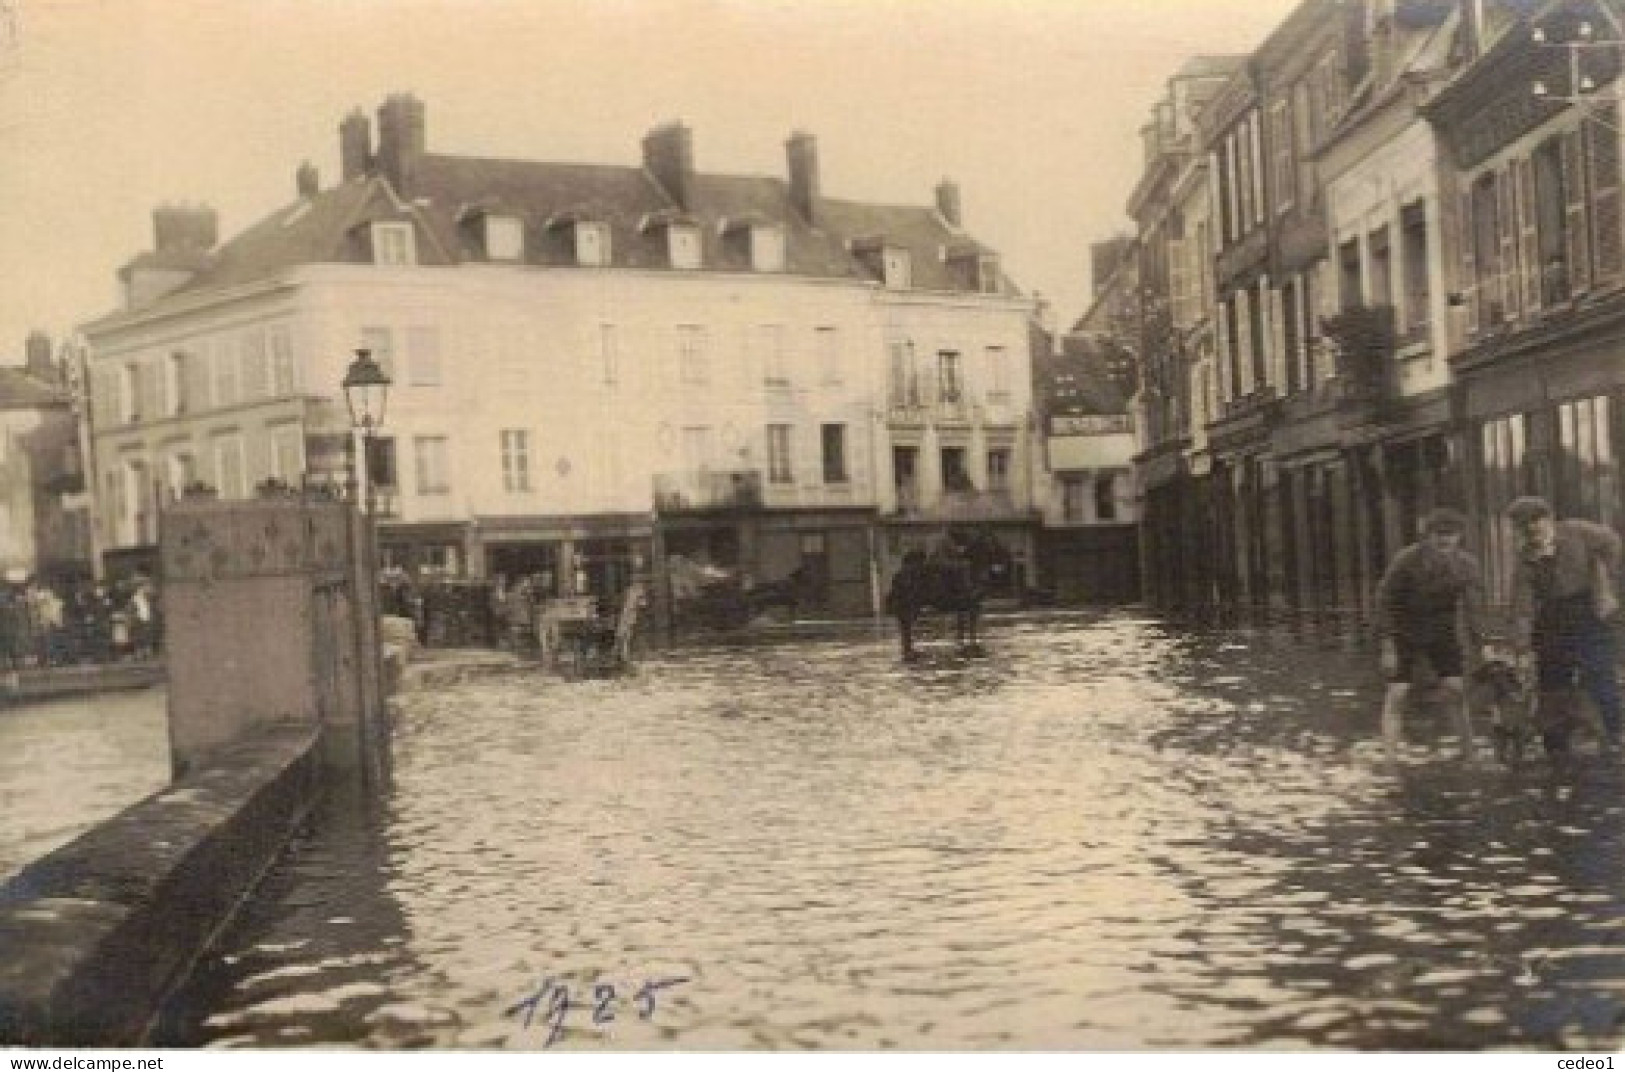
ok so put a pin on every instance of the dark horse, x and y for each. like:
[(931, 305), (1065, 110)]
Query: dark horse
[(947, 580)]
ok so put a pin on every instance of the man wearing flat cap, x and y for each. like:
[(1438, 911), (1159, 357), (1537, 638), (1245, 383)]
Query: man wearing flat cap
[(1564, 604)]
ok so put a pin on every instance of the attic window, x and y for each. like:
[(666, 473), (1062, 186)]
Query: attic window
[(392, 243), (592, 244), (896, 268), (767, 248), (504, 238), (987, 273), (683, 245)]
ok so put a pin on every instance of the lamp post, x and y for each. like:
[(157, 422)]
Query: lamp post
[(366, 394)]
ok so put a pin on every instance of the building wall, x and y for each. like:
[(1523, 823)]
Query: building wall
[(1370, 196), (606, 382), (17, 548)]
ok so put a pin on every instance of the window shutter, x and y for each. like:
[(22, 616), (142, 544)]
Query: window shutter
[(1506, 232), (1469, 265), (1529, 249), (1602, 137), (1579, 252)]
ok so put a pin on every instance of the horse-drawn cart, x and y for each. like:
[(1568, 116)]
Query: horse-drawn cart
[(581, 638)]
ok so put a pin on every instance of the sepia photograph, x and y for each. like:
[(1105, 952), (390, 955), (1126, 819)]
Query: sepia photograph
[(660, 527)]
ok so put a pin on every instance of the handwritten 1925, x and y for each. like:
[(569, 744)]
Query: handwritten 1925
[(554, 1003)]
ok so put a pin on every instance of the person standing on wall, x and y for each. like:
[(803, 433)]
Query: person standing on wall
[(1565, 605), (1430, 594)]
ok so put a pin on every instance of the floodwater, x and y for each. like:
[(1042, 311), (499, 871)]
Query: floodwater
[(68, 764), (1106, 834)]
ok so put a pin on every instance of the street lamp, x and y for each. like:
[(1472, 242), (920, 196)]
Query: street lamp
[(366, 394)]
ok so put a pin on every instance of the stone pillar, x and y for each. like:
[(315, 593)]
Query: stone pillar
[(271, 620)]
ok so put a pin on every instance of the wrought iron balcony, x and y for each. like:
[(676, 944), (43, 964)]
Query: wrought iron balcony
[(707, 489), (1364, 339)]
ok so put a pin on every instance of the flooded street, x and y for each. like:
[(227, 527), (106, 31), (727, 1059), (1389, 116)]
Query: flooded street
[(70, 763), (1106, 834)]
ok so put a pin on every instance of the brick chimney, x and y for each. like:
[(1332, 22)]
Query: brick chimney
[(668, 155), (400, 140), (948, 201), (184, 227), (38, 360), (307, 180), (355, 145), (802, 153)]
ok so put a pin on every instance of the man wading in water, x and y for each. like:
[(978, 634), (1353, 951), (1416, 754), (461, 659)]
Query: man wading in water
[(1426, 587), (1565, 606)]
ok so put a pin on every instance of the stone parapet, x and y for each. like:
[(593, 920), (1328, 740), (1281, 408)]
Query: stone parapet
[(98, 933)]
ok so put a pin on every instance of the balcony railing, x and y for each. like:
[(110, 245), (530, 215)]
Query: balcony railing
[(1257, 400), (708, 490), (1364, 339), (961, 506)]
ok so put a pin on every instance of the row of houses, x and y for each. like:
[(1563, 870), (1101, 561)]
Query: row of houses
[(598, 369), (1377, 268)]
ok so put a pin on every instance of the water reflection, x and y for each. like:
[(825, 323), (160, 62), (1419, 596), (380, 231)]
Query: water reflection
[(68, 764), (1107, 834)]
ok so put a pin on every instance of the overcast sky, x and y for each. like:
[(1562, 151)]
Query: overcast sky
[(110, 107)]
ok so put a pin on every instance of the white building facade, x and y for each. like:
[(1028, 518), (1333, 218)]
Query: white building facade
[(594, 368)]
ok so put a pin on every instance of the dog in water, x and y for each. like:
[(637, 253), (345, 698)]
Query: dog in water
[(1521, 711), (1499, 687)]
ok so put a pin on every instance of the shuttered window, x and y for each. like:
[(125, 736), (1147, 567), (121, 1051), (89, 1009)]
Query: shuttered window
[(1579, 251), (1529, 257), (1602, 139), (1469, 261), (1506, 232)]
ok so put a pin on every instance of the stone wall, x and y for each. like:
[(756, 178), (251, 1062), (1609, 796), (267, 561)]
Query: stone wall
[(98, 933)]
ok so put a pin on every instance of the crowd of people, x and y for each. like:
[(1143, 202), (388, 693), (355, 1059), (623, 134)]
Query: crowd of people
[(43, 625), (1560, 650)]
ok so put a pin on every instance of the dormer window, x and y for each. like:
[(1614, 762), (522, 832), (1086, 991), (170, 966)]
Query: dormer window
[(891, 263), (592, 243), (974, 269), (896, 268), (987, 273), (504, 238), (683, 245), (767, 248), (393, 243)]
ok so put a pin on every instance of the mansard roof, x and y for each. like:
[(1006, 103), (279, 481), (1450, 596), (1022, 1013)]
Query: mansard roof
[(450, 194)]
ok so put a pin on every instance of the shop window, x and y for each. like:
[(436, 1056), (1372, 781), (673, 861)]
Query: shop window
[(1587, 475)]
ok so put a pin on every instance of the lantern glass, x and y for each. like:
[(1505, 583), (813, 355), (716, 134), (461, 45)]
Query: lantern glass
[(366, 391)]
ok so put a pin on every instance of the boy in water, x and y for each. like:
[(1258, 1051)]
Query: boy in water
[(1426, 589)]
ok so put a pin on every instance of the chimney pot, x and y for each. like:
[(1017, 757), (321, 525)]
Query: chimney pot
[(307, 180), (355, 145), (668, 154), (801, 152), (38, 355), (948, 201), (401, 140)]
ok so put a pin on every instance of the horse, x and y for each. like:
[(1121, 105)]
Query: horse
[(946, 580)]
